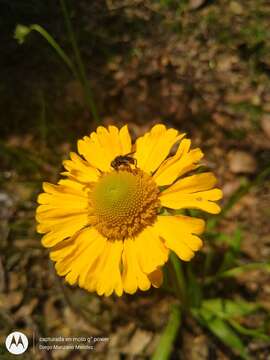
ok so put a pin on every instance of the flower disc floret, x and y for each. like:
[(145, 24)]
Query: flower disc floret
[(123, 203)]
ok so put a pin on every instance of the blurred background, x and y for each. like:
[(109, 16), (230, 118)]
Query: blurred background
[(202, 67)]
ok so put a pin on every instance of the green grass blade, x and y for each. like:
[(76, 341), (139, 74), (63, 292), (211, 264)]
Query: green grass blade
[(21, 31), (226, 309), (165, 346), (80, 64), (247, 267), (238, 270), (228, 336), (222, 330), (255, 333)]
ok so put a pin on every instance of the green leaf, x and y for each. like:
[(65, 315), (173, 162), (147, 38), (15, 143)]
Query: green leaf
[(229, 260), (238, 270), (234, 241), (165, 346), (219, 316), (227, 309), (221, 330), (255, 333), (247, 267)]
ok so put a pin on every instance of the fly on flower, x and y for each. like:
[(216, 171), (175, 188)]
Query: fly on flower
[(123, 161), (103, 222)]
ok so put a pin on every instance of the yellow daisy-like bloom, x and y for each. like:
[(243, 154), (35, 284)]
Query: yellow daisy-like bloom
[(103, 222)]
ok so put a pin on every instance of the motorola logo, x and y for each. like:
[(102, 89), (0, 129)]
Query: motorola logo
[(16, 343)]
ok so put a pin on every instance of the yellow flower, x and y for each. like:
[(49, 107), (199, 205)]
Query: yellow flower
[(104, 224)]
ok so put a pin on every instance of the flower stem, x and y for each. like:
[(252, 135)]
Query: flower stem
[(77, 68), (179, 277), (22, 31), (80, 65)]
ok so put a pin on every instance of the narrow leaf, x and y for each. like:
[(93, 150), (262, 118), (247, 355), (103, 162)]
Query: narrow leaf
[(247, 267), (222, 331), (165, 346), (226, 309), (255, 333), (238, 270)]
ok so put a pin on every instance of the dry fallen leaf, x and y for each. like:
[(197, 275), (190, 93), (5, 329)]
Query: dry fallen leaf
[(265, 124), (242, 162), (196, 4), (138, 342)]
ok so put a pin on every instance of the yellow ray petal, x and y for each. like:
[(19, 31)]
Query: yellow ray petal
[(61, 232), (133, 277), (109, 277), (92, 261), (203, 200), (65, 202), (46, 213), (95, 258), (65, 186), (104, 145), (125, 140), (80, 170), (67, 254), (76, 259), (55, 223), (64, 196), (179, 164), (154, 147), (193, 184), (183, 147), (72, 186), (63, 249), (182, 150), (151, 252), (178, 234), (62, 213)]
